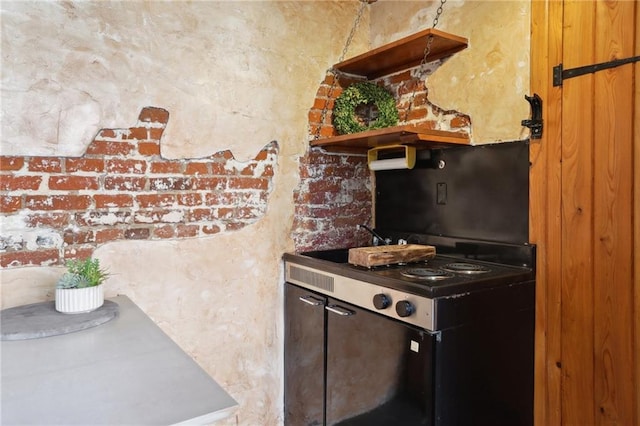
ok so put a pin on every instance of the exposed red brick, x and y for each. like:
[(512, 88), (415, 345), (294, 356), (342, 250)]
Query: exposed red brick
[(155, 200), (197, 169), (248, 183), (78, 252), (321, 104), (78, 237), (248, 170), (125, 183), (315, 116), (460, 121), (244, 213), (189, 199), (186, 231), (154, 115), (137, 234), (9, 164), (19, 183), (210, 229), (106, 133), (325, 185), (155, 133), (167, 167), (45, 164), (170, 184), (9, 204), (73, 183), (57, 202), (140, 133), (397, 78), (158, 216), (200, 215), (113, 201), (99, 147), (164, 231), (84, 165), (124, 166), (149, 148), (209, 183), (106, 235), (49, 219), (102, 218), (224, 212), (27, 258), (220, 169), (234, 225), (419, 114)]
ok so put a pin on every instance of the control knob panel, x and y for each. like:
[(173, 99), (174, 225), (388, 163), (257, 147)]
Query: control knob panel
[(381, 301), (404, 308)]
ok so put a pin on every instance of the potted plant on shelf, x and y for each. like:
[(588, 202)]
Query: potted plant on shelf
[(80, 289)]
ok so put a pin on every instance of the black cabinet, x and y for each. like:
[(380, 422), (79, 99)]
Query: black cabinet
[(304, 357), (351, 367)]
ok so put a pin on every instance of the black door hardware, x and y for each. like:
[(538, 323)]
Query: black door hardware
[(560, 74), (535, 123)]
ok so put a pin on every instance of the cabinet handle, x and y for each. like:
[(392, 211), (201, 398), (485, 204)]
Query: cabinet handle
[(339, 310), (313, 301)]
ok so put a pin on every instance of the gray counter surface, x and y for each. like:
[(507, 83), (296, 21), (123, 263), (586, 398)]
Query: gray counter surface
[(124, 372)]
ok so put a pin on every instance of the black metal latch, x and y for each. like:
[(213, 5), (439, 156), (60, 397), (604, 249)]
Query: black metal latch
[(535, 123), (560, 74)]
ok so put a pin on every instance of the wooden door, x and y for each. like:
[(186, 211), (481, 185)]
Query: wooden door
[(584, 196)]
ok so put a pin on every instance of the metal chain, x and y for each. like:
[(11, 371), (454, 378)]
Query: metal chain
[(427, 51), (336, 73)]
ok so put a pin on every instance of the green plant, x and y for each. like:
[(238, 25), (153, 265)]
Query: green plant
[(365, 93), (82, 273)]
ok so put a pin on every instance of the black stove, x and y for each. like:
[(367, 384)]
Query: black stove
[(425, 287), (447, 341)]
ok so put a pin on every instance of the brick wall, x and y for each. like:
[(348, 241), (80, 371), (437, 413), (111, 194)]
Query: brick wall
[(335, 192), (59, 208)]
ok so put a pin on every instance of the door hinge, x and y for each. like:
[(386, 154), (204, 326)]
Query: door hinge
[(535, 123), (560, 74)]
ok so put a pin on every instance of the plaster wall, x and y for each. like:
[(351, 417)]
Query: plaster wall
[(486, 81), (234, 76)]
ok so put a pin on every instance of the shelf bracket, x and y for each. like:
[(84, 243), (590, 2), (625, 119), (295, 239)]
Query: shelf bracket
[(560, 74), (535, 123)]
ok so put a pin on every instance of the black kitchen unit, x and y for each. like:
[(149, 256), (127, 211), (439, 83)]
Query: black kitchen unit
[(447, 341)]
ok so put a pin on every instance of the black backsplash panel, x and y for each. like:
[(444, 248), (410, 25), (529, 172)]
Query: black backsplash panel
[(482, 192)]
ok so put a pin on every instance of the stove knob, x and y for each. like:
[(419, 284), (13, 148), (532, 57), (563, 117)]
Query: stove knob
[(404, 308), (381, 301)]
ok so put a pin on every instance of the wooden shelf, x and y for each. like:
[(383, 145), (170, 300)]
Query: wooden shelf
[(403, 54), (419, 136)]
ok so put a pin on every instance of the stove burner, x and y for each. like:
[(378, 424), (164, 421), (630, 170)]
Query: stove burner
[(465, 268), (430, 274)]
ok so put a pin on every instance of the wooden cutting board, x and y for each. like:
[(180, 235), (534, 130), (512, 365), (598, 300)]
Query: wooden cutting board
[(391, 254)]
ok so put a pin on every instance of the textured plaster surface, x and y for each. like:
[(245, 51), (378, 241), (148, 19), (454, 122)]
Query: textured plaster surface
[(233, 75), (489, 79)]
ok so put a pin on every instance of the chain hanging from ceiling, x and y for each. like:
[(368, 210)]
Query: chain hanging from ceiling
[(337, 73), (422, 67)]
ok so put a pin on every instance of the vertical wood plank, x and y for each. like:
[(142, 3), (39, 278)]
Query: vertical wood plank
[(545, 205), (577, 217), (636, 224), (612, 216)]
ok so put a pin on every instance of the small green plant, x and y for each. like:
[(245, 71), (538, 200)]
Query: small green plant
[(82, 273)]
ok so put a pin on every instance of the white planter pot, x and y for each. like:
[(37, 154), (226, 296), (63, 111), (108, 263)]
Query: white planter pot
[(79, 300)]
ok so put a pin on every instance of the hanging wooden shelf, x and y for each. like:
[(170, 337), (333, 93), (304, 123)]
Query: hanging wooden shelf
[(403, 54), (419, 136)]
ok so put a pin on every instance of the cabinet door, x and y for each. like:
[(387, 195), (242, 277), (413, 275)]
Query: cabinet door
[(379, 371), (304, 357)]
